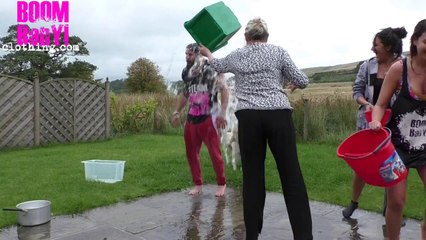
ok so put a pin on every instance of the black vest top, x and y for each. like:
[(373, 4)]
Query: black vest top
[(408, 125)]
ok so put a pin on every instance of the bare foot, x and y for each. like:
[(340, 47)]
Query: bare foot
[(196, 190), (220, 190)]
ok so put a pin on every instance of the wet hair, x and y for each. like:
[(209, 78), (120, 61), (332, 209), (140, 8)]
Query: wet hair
[(419, 29), (257, 29), (392, 37), (194, 47)]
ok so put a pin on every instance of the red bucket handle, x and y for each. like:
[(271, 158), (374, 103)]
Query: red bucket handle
[(359, 156)]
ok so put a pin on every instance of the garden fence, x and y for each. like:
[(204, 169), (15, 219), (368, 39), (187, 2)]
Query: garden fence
[(54, 111)]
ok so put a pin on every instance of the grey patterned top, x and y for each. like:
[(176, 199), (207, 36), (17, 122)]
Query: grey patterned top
[(260, 70)]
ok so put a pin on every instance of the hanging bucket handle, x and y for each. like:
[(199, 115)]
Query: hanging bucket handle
[(384, 142), (359, 156)]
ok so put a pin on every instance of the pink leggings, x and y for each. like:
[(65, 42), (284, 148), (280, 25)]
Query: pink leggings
[(195, 135)]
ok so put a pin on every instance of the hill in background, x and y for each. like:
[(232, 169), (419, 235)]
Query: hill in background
[(338, 73), (328, 74)]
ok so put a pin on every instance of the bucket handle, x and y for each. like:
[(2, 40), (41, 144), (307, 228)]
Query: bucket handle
[(357, 156), (384, 142)]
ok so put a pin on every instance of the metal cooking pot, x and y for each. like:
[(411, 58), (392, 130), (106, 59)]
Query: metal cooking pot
[(32, 213)]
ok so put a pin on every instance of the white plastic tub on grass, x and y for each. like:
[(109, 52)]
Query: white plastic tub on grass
[(107, 171)]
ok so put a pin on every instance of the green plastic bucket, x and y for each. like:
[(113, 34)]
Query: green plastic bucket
[(213, 26)]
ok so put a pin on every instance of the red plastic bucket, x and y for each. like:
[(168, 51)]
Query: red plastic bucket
[(372, 156), (385, 119)]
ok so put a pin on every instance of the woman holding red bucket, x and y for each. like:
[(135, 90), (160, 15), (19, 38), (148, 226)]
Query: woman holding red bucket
[(387, 45), (408, 76)]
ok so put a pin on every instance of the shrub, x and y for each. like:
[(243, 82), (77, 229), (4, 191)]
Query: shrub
[(134, 113)]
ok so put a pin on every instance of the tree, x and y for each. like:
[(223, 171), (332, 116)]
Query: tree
[(80, 69), (47, 63), (144, 76)]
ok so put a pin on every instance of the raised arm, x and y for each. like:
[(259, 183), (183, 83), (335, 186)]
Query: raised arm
[(206, 52), (389, 87)]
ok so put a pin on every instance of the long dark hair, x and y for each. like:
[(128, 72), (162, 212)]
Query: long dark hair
[(418, 31)]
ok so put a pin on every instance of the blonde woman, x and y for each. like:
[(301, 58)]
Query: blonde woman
[(264, 119)]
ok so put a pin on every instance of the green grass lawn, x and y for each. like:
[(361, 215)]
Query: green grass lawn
[(157, 163)]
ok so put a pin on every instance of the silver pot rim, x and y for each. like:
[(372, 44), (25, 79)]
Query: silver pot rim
[(33, 204)]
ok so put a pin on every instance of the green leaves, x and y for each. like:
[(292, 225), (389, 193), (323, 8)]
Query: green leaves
[(135, 117)]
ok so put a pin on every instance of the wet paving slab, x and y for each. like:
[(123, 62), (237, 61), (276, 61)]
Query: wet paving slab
[(176, 215)]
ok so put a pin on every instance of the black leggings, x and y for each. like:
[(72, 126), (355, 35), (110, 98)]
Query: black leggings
[(256, 129)]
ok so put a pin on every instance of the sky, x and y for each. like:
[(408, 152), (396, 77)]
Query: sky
[(315, 33)]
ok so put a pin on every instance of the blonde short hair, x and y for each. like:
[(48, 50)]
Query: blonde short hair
[(257, 29)]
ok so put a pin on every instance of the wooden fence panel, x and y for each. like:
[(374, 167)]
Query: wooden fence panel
[(89, 112), (55, 111), (16, 113)]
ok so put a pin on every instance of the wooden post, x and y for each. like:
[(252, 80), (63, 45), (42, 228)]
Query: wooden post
[(36, 89), (74, 112), (305, 118), (107, 110)]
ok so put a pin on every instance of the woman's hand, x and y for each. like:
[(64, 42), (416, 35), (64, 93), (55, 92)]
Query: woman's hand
[(375, 125), (205, 52), (369, 107), (377, 114), (291, 87)]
